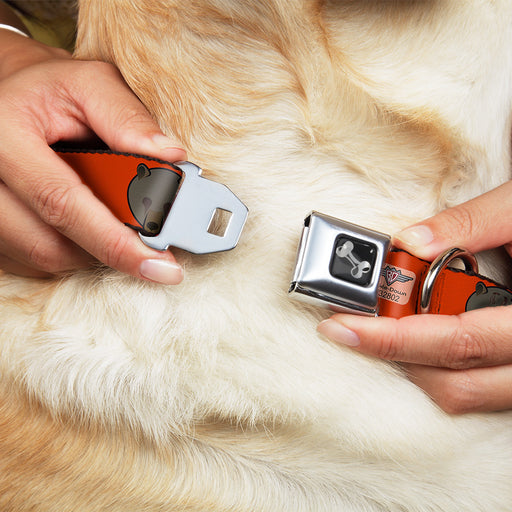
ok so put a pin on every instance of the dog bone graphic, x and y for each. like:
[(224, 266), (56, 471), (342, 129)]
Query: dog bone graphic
[(358, 267)]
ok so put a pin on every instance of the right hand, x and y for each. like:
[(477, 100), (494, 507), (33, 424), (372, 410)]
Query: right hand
[(50, 222), (463, 362)]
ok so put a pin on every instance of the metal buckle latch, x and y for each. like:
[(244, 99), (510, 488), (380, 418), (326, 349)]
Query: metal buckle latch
[(339, 264), (188, 222)]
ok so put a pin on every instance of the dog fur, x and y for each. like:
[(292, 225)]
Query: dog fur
[(217, 394)]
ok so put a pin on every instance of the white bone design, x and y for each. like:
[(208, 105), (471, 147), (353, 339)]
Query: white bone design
[(358, 267)]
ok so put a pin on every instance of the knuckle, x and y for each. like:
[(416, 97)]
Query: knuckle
[(54, 205), (42, 257), (389, 347), (464, 349), (460, 394), (461, 220), (133, 116)]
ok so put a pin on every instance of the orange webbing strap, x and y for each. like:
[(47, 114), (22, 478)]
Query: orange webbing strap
[(454, 291), (137, 189)]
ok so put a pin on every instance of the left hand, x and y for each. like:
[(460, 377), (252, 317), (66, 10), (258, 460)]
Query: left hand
[(50, 222), (463, 362)]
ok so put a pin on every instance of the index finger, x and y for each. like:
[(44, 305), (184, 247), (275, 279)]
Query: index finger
[(478, 224), (66, 105), (474, 339), (55, 192), (117, 115)]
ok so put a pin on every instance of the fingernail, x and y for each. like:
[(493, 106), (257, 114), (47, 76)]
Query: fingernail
[(338, 333), (161, 271), (416, 236), (168, 145)]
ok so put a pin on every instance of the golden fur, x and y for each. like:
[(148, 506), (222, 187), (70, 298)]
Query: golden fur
[(217, 394)]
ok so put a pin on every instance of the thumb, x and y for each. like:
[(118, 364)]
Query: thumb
[(476, 225), (119, 118)]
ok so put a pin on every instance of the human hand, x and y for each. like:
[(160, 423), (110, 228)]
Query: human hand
[(50, 221), (463, 362)]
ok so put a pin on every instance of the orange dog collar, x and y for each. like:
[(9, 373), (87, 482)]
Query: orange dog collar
[(169, 204), (352, 269)]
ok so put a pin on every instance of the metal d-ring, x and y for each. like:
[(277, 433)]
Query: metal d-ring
[(437, 266)]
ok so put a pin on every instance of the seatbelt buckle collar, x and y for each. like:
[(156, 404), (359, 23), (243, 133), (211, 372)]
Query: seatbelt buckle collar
[(339, 265), (351, 269), (168, 204)]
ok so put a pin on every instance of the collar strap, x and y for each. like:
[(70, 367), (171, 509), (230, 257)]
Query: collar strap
[(168, 204), (356, 270)]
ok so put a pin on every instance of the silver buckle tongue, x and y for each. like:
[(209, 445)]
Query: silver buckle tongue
[(339, 265), (195, 205)]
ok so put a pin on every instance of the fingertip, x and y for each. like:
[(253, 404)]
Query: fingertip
[(416, 236), (168, 148), (153, 145), (377, 336), (161, 271), (476, 225), (121, 120), (145, 141), (418, 240), (339, 333)]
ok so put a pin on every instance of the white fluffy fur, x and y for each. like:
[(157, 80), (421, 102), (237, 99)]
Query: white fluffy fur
[(380, 113)]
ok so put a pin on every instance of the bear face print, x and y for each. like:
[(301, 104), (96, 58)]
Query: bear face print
[(488, 296), (150, 196)]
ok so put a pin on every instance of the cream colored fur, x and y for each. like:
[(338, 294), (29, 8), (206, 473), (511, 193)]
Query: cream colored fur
[(218, 395)]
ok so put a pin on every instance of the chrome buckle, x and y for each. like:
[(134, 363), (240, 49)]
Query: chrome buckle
[(197, 201), (339, 264)]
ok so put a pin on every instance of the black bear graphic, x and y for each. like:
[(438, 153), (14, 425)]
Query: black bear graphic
[(485, 296), (150, 196)]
